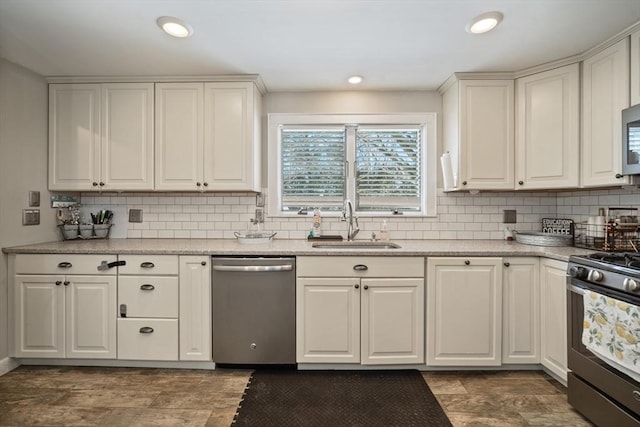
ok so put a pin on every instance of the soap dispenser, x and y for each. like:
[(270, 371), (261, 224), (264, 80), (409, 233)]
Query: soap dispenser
[(384, 232)]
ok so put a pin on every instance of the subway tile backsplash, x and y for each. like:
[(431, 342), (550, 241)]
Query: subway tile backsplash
[(460, 215)]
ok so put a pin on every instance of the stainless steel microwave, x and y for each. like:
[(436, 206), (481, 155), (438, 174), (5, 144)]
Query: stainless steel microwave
[(631, 140)]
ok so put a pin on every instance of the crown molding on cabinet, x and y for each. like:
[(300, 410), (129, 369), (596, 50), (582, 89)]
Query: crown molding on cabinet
[(541, 67), (162, 79), (506, 75)]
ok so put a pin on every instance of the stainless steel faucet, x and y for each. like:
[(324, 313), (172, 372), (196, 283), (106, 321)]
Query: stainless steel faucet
[(347, 215)]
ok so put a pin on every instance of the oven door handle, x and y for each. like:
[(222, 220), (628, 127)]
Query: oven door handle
[(576, 289), (253, 268)]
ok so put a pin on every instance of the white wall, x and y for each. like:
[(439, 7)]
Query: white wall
[(23, 167)]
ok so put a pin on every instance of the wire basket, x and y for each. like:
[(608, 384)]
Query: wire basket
[(618, 231), (85, 231)]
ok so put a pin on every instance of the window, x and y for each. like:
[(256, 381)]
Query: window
[(384, 164)]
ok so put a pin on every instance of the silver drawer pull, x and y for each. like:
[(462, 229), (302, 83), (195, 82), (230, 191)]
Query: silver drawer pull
[(146, 330), (253, 268), (360, 267), (65, 265), (147, 265), (147, 287), (636, 394)]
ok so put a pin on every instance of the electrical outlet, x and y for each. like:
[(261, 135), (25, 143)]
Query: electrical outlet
[(509, 216), (30, 216), (135, 215), (260, 200), (259, 215)]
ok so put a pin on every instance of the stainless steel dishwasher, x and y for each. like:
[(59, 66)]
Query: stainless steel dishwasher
[(254, 311)]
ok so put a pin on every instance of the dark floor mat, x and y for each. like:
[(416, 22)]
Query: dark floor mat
[(339, 398)]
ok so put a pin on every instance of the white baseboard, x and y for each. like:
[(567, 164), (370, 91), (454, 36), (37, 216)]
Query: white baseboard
[(8, 364), (120, 363)]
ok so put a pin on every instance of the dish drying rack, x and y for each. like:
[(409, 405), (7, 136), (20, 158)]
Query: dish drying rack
[(618, 232)]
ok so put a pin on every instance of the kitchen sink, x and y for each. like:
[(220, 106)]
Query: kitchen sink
[(356, 245)]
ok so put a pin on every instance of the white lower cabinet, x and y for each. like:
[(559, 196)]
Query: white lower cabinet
[(148, 293), (553, 319), (367, 310), (464, 311), (520, 310), (67, 309), (195, 308)]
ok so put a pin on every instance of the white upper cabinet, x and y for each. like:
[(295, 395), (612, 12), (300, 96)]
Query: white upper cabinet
[(207, 137), (127, 136), (605, 93), (547, 129), (232, 137), (635, 68), (179, 136), (74, 136), (478, 133), (101, 136)]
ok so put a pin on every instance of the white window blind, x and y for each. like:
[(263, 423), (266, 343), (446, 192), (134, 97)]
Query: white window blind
[(633, 144), (313, 167), (388, 169), (384, 163)]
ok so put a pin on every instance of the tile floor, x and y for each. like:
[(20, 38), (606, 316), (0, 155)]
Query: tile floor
[(138, 397)]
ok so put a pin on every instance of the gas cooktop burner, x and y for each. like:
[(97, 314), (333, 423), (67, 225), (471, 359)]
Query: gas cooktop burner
[(627, 259)]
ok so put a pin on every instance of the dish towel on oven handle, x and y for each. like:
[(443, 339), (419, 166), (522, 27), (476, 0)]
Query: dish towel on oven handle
[(611, 331)]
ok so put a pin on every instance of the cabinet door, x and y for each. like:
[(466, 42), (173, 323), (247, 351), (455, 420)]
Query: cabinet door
[(521, 310), (328, 320), (547, 129), (74, 136), (553, 319), (635, 68), (605, 93), (179, 123), (231, 147), (91, 317), (464, 311), (195, 308), (486, 134), (39, 307), (127, 136), (392, 325)]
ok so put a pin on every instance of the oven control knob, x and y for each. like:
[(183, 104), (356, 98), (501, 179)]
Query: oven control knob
[(595, 276), (578, 272), (631, 285)]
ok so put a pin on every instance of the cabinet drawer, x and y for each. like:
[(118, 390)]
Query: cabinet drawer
[(63, 264), (149, 265), (149, 296), (358, 266), (159, 343)]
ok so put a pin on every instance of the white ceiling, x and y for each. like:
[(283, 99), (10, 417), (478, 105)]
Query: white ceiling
[(303, 44)]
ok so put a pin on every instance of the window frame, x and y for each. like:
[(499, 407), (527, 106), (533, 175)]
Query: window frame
[(427, 121)]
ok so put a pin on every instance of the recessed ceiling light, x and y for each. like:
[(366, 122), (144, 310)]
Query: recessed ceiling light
[(355, 80), (174, 27), (485, 22)]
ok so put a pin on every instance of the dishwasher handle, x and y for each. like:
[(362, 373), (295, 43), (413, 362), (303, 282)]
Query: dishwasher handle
[(253, 268)]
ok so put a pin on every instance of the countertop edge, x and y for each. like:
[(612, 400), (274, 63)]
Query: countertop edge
[(230, 247)]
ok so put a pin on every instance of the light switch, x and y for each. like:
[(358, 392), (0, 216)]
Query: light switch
[(31, 217), (34, 199)]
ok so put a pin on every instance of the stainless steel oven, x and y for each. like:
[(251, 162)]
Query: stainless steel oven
[(598, 387)]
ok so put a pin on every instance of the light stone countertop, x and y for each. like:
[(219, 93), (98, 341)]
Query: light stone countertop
[(222, 247)]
